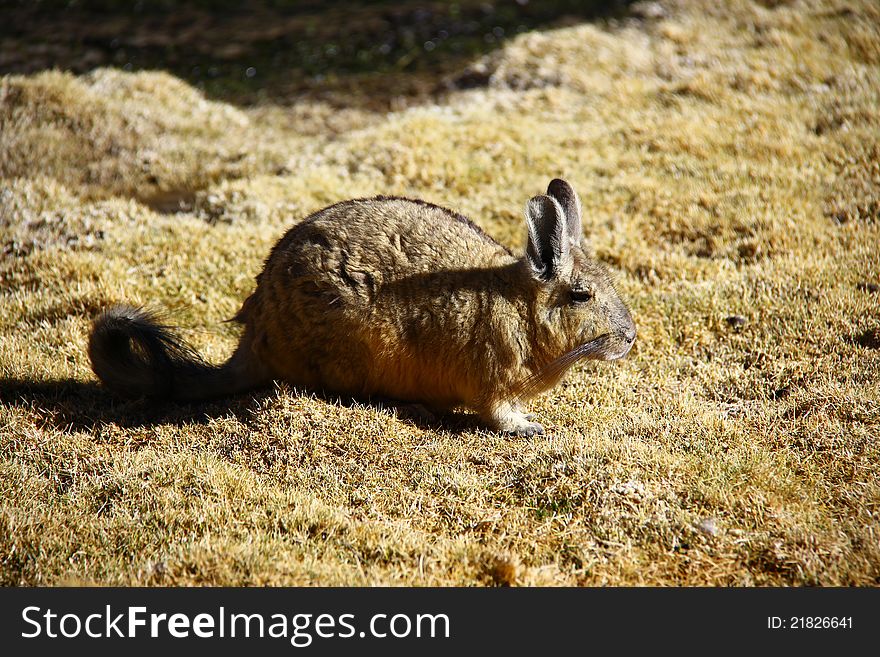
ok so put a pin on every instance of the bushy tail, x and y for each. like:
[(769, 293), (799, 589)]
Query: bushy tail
[(135, 355)]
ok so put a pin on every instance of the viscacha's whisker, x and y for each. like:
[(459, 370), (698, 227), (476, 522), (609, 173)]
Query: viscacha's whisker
[(553, 370)]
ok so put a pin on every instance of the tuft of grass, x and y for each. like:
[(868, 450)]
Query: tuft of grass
[(727, 161)]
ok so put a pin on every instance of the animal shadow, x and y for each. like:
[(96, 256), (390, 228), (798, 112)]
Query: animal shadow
[(74, 405)]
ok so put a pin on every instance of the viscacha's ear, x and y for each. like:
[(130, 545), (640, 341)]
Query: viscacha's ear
[(549, 247), (571, 206)]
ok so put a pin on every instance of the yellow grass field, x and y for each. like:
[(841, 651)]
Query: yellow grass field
[(728, 159)]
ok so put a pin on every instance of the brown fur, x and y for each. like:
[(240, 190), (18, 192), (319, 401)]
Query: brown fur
[(407, 300)]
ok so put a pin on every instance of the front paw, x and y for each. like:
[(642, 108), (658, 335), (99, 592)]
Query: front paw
[(518, 408), (510, 419), (526, 430)]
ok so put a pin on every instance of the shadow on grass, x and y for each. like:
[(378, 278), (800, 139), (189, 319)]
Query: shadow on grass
[(73, 405), (278, 49)]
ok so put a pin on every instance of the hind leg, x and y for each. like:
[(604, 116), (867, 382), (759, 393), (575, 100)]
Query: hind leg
[(245, 370), (407, 410)]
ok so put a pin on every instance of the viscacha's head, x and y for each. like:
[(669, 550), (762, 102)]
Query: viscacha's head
[(578, 312)]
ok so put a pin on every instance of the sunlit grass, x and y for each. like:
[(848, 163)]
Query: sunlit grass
[(728, 166)]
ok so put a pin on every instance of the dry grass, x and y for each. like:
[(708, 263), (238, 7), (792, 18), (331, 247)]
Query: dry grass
[(729, 166)]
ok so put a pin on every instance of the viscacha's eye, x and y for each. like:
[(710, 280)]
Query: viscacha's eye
[(580, 296)]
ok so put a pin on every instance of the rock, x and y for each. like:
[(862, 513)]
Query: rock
[(708, 527)]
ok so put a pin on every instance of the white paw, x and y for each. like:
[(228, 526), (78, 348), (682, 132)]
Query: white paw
[(526, 430)]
